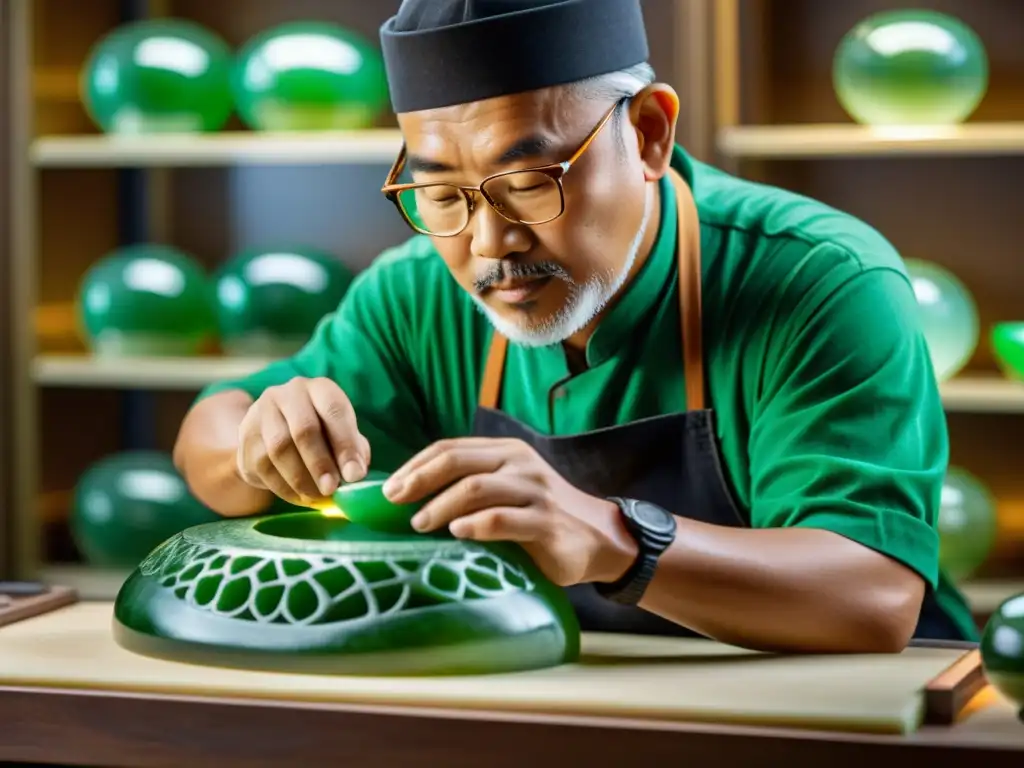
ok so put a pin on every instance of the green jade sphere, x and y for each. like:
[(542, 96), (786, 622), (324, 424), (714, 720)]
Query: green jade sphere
[(1008, 346), (309, 76), (158, 76), (147, 300), (910, 67), (1002, 650), (968, 524), (363, 502), (270, 301), (315, 593), (127, 504), (948, 314)]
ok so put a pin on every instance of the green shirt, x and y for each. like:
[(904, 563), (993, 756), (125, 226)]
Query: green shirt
[(827, 406)]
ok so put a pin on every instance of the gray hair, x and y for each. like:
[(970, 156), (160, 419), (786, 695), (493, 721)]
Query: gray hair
[(615, 87)]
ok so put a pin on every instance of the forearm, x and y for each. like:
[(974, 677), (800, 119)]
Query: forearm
[(785, 589), (206, 455)]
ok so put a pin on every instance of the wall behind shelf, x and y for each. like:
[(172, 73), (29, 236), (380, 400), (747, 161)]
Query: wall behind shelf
[(210, 213), (960, 212), (788, 47)]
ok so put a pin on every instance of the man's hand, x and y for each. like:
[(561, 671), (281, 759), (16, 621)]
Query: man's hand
[(491, 489), (299, 440)]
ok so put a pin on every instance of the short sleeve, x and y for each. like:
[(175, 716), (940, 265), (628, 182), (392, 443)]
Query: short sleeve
[(364, 346), (848, 433)]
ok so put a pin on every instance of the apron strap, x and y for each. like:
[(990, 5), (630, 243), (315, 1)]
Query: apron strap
[(688, 255), (690, 278), (494, 369)]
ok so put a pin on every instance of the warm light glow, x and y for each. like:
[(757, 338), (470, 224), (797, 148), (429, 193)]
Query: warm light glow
[(914, 132), (331, 511)]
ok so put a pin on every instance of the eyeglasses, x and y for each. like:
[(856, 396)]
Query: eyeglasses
[(528, 196)]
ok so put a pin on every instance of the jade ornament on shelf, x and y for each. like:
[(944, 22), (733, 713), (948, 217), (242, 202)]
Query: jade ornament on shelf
[(1002, 650)]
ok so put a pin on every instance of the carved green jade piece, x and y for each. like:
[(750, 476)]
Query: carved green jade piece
[(317, 593)]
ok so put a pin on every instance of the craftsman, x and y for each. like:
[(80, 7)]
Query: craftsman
[(703, 406)]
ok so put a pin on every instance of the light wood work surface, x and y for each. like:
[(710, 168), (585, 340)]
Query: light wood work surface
[(63, 671)]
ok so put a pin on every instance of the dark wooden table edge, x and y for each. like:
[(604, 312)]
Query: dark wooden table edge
[(79, 727)]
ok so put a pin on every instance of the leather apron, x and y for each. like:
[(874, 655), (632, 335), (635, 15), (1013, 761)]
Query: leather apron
[(673, 460)]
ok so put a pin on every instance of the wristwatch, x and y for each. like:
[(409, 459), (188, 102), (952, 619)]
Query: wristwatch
[(654, 530)]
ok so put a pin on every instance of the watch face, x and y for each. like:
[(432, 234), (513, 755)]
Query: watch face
[(653, 518)]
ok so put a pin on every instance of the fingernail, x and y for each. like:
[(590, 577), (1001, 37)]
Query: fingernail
[(419, 522), (353, 471), (328, 484), (392, 487)]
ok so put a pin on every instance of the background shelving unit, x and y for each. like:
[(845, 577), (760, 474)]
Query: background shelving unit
[(76, 194), (754, 79), (945, 195)]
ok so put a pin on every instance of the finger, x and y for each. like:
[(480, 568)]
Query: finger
[(258, 471), (308, 437), (520, 524), (472, 494), (287, 463), (444, 466), (339, 424), (435, 449)]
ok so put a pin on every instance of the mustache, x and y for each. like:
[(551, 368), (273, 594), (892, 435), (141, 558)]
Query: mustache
[(501, 271)]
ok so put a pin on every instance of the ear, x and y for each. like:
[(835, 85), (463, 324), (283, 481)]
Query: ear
[(654, 113)]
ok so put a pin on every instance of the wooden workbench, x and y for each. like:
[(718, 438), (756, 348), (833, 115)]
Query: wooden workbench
[(65, 727), (70, 696)]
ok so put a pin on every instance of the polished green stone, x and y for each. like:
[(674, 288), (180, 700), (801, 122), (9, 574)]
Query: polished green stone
[(147, 300), (910, 67), (948, 316), (1008, 346), (269, 301), (968, 523), (309, 76), (316, 593), (158, 75), (363, 502), (128, 503), (1002, 649)]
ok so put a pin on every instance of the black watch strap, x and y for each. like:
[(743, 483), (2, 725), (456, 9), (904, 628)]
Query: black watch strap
[(654, 530)]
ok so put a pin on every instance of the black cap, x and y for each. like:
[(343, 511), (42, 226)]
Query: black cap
[(443, 52)]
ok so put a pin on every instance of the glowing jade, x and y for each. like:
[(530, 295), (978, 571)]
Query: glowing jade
[(1008, 346), (1002, 650), (314, 592), (967, 524), (364, 503), (147, 300), (157, 76), (948, 315), (128, 503), (309, 76), (270, 300), (910, 67)]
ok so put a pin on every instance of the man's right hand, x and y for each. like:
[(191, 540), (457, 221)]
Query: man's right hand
[(299, 440)]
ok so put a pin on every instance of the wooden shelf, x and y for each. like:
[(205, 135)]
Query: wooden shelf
[(842, 140), (167, 373), (217, 149), (981, 394), (985, 596)]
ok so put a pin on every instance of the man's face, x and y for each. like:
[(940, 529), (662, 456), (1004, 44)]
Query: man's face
[(538, 284)]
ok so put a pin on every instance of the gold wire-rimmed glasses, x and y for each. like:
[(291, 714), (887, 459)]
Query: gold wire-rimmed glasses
[(528, 196)]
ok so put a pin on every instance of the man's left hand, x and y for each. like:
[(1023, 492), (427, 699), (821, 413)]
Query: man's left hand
[(502, 490)]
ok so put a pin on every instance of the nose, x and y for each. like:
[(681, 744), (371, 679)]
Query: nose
[(494, 236)]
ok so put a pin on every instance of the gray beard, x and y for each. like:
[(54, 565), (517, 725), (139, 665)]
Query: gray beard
[(584, 302)]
